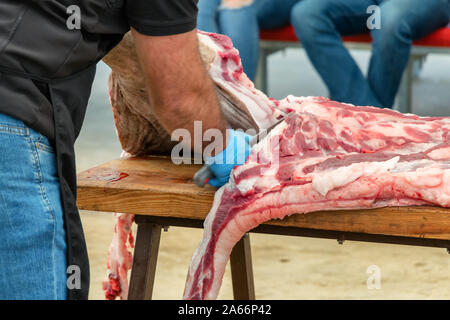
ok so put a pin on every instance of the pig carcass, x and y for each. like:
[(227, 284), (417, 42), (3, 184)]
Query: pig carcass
[(328, 156)]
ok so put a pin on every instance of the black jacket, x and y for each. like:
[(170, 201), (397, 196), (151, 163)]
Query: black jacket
[(46, 73)]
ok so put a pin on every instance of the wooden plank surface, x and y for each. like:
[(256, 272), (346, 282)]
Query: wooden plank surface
[(155, 186)]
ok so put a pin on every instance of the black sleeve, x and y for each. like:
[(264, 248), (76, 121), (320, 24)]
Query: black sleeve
[(162, 17)]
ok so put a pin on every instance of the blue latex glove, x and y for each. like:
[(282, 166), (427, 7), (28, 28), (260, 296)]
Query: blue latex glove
[(235, 154)]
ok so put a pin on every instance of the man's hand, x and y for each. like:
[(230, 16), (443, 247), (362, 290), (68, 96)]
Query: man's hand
[(180, 88), (235, 154)]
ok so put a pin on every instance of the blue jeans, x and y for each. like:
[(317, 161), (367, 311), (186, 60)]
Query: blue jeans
[(319, 25), (242, 24), (32, 235)]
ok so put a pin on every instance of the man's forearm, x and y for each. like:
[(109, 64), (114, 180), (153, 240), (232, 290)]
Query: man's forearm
[(180, 88)]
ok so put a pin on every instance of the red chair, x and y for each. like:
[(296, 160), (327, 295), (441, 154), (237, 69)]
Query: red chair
[(279, 39)]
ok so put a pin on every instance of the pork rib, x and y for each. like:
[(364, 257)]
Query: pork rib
[(329, 156)]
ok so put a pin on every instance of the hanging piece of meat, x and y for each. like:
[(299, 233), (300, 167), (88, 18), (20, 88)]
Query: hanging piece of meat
[(327, 156)]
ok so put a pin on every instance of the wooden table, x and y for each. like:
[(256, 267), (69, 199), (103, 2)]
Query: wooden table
[(162, 194)]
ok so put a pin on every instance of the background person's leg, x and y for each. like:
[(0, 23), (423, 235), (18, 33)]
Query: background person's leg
[(274, 14), (319, 24), (32, 236), (207, 15), (402, 21), (240, 24)]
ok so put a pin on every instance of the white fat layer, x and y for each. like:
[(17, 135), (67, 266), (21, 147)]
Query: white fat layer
[(204, 38), (440, 154), (324, 182), (266, 180), (260, 111), (412, 166)]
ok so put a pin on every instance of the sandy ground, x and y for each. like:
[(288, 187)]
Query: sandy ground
[(284, 267)]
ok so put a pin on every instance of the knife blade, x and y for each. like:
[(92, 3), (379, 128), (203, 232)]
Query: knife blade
[(203, 175)]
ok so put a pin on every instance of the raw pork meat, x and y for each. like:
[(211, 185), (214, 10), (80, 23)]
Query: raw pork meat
[(120, 259), (329, 156), (140, 133)]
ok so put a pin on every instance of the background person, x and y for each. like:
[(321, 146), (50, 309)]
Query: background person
[(241, 21), (319, 25)]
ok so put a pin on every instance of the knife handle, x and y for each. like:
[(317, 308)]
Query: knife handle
[(202, 175)]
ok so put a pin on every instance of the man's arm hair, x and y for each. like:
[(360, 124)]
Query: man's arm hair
[(180, 89)]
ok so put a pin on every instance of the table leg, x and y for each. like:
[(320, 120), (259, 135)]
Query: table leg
[(242, 270), (144, 261)]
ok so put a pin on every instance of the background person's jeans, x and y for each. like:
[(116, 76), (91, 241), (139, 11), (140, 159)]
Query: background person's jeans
[(319, 25), (32, 236), (242, 24)]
